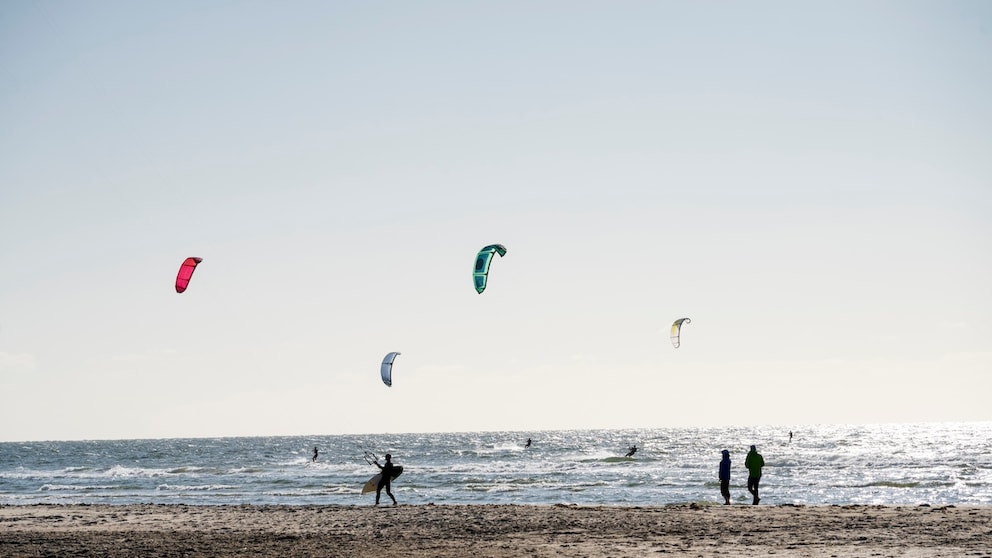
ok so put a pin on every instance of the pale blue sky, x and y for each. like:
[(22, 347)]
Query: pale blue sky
[(810, 183)]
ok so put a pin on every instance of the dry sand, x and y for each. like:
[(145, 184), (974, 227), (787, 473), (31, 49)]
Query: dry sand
[(495, 531)]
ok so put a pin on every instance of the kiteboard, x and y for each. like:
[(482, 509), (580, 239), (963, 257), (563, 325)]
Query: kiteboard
[(374, 481)]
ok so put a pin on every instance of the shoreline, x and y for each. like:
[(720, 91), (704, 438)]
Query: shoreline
[(494, 530)]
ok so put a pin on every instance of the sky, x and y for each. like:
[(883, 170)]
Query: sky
[(809, 182)]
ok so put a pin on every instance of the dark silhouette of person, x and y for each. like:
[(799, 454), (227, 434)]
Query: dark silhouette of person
[(790, 436), (527, 445), (754, 462), (725, 477), (631, 451), (314, 454), (388, 470)]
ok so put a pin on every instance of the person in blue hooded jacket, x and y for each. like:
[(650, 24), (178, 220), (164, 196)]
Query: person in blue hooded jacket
[(725, 477)]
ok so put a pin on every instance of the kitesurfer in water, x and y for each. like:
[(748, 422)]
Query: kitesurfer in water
[(527, 445), (388, 471), (631, 451), (754, 462), (725, 477), (314, 454)]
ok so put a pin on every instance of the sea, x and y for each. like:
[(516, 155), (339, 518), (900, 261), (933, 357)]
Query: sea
[(889, 464)]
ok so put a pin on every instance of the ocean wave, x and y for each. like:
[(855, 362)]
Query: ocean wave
[(903, 484), (194, 488), (491, 488), (76, 488), (120, 471), (187, 469)]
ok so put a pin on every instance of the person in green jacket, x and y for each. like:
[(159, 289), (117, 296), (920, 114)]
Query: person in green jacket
[(754, 462)]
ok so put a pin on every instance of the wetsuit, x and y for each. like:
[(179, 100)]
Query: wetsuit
[(388, 470)]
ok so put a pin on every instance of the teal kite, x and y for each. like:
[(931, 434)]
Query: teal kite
[(482, 262)]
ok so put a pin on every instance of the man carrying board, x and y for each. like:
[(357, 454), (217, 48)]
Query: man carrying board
[(388, 472)]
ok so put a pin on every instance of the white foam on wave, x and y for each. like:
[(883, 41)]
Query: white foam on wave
[(75, 487), (194, 488)]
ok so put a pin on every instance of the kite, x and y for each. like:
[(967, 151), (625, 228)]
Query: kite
[(185, 272), (482, 261), (677, 328), (387, 368)]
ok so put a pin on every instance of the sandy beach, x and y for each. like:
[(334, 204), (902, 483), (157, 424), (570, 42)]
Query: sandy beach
[(495, 531)]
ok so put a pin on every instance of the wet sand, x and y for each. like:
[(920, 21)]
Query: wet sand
[(495, 531)]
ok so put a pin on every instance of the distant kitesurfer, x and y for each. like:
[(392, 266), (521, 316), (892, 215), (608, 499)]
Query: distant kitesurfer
[(725, 477), (314, 454), (527, 445), (790, 436), (388, 471), (631, 451), (754, 462)]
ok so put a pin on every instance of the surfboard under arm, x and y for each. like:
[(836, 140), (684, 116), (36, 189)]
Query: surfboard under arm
[(373, 482)]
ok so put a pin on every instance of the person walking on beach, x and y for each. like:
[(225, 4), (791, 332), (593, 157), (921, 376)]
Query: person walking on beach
[(725, 477), (388, 470), (754, 462)]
